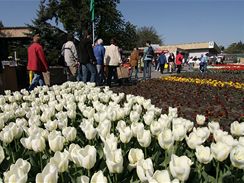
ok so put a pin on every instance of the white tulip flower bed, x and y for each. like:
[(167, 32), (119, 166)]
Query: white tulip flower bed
[(77, 132)]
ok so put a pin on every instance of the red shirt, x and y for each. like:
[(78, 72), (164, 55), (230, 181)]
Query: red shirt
[(36, 59), (179, 59)]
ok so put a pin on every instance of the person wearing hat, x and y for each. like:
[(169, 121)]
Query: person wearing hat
[(37, 62)]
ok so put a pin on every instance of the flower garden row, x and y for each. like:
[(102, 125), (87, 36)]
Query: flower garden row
[(216, 103), (81, 133)]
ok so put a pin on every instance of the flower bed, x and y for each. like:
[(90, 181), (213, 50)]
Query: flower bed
[(222, 104), (80, 133)]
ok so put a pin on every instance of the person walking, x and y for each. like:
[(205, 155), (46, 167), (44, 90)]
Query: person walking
[(203, 63), (37, 62), (178, 61), (99, 52), (70, 57), (162, 60), (171, 61), (147, 59), (87, 59), (112, 59), (134, 58)]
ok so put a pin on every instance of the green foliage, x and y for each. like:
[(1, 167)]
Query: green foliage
[(235, 48), (148, 33), (75, 16), (52, 38), (1, 24)]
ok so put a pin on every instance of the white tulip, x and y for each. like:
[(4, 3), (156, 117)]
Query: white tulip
[(51, 125), (71, 114), (202, 132), (135, 127), (237, 157), (218, 134), (200, 119), (114, 161), (144, 169), (213, 126), (241, 141), (203, 154), (166, 139), (125, 134), (188, 125), (165, 121), (56, 141), (179, 132), (49, 174), (83, 157), (98, 177), (134, 156), (161, 176), (60, 160), (103, 128), (38, 144), (69, 133), (156, 128), (144, 137), (83, 179), (137, 108), (229, 140), (237, 128), (220, 151), (173, 112), (18, 172), (2, 156), (88, 129), (180, 167), (147, 103), (134, 116), (193, 140), (111, 142), (148, 117), (74, 151)]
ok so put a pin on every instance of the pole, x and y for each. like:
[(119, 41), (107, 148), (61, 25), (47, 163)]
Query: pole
[(93, 33), (92, 10)]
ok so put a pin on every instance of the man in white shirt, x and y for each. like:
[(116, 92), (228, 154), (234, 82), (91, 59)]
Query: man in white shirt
[(70, 57)]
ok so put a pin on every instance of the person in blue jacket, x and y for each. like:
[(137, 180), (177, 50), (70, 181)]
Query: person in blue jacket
[(99, 52), (162, 60)]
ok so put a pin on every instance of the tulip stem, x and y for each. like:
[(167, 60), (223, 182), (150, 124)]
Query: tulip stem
[(89, 173), (40, 160), (145, 149), (217, 171)]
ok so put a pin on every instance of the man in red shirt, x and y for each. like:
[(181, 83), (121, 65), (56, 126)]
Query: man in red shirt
[(178, 62), (37, 62)]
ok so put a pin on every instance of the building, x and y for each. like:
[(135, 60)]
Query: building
[(194, 49), (13, 42)]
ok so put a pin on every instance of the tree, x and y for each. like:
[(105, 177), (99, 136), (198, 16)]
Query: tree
[(52, 38), (235, 48), (1, 24), (148, 33)]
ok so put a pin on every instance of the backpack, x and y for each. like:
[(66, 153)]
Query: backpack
[(150, 52)]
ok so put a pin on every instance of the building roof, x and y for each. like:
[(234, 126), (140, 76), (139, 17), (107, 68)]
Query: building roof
[(193, 46), (14, 32)]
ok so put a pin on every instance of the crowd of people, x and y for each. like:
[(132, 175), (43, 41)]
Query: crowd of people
[(98, 64)]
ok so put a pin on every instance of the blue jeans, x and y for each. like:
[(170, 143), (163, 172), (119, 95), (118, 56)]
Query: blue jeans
[(135, 68), (100, 74), (89, 69), (147, 70), (36, 81)]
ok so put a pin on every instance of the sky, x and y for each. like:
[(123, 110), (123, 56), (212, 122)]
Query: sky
[(176, 21)]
